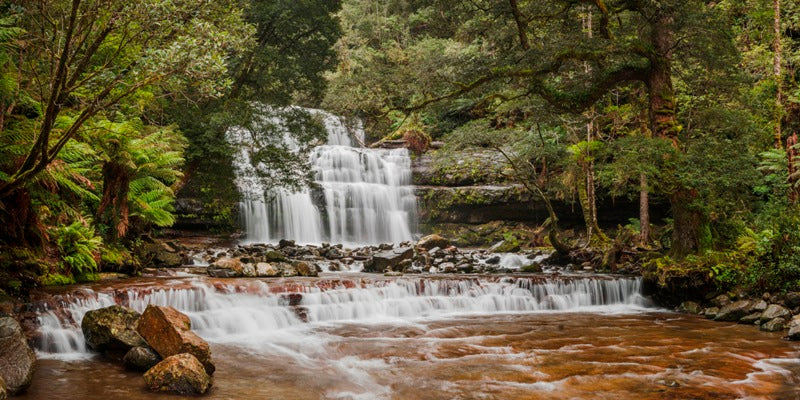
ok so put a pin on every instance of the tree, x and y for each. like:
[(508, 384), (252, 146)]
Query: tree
[(543, 51), (138, 166), (89, 56), (293, 50)]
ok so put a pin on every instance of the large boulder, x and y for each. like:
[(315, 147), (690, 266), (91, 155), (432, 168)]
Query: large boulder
[(141, 358), (168, 332), (431, 241), (17, 359), (181, 374), (226, 267), (388, 260), (775, 311), (734, 311), (112, 329)]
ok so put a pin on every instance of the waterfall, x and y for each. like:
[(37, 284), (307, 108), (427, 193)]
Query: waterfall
[(235, 313), (362, 196)]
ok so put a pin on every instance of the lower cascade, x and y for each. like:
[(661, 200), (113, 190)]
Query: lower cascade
[(362, 196), (239, 313)]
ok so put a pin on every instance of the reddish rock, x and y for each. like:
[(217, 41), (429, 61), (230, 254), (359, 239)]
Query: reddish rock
[(168, 332), (181, 374)]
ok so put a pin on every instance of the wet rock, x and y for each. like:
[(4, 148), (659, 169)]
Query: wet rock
[(222, 273), (333, 254), (385, 246), (431, 241), (465, 268), (283, 243), (792, 299), (226, 267), (17, 359), (775, 311), (794, 328), (168, 332), (448, 268), (180, 374), (392, 273), (493, 260), (774, 325), (267, 270), (292, 299), (389, 259), (691, 307), (288, 270), (721, 301), (504, 246), (751, 318), (711, 312), (760, 306), (248, 270), (734, 311), (304, 269), (111, 329), (274, 256), (141, 358)]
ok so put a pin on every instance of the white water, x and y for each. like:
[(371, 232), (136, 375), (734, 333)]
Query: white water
[(364, 196), (246, 316)]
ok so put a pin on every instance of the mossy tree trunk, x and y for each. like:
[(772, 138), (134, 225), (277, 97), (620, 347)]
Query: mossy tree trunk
[(113, 209), (644, 210)]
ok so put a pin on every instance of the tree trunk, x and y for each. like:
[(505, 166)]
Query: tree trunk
[(776, 65), (644, 210), (663, 120), (690, 232), (20, 225), (113, 209)]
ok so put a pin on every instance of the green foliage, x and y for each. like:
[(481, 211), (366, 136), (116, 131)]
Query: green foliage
[(77, 247), (57, 280)]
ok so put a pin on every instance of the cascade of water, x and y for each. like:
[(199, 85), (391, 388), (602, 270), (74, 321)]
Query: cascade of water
[(235, 313), (363, 196)]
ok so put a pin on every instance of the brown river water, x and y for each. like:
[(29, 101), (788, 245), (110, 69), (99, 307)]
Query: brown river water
[(429, 338)]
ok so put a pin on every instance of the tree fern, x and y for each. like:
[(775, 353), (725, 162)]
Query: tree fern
[(78, 248)]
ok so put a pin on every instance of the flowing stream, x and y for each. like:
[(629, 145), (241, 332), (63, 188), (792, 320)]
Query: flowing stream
[(362, 196), (358, 336)]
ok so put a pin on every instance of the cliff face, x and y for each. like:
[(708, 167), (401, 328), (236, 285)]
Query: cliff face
[(468, 197)]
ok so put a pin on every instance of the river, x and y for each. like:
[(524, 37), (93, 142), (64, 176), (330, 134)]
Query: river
[(359, 336)]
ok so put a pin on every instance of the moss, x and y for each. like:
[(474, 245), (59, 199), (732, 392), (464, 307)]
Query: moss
[(56, 280), (483, 235), (533, 268)]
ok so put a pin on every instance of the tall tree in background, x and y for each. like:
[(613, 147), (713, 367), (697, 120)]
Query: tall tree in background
[(294, 48), (776, 70)]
